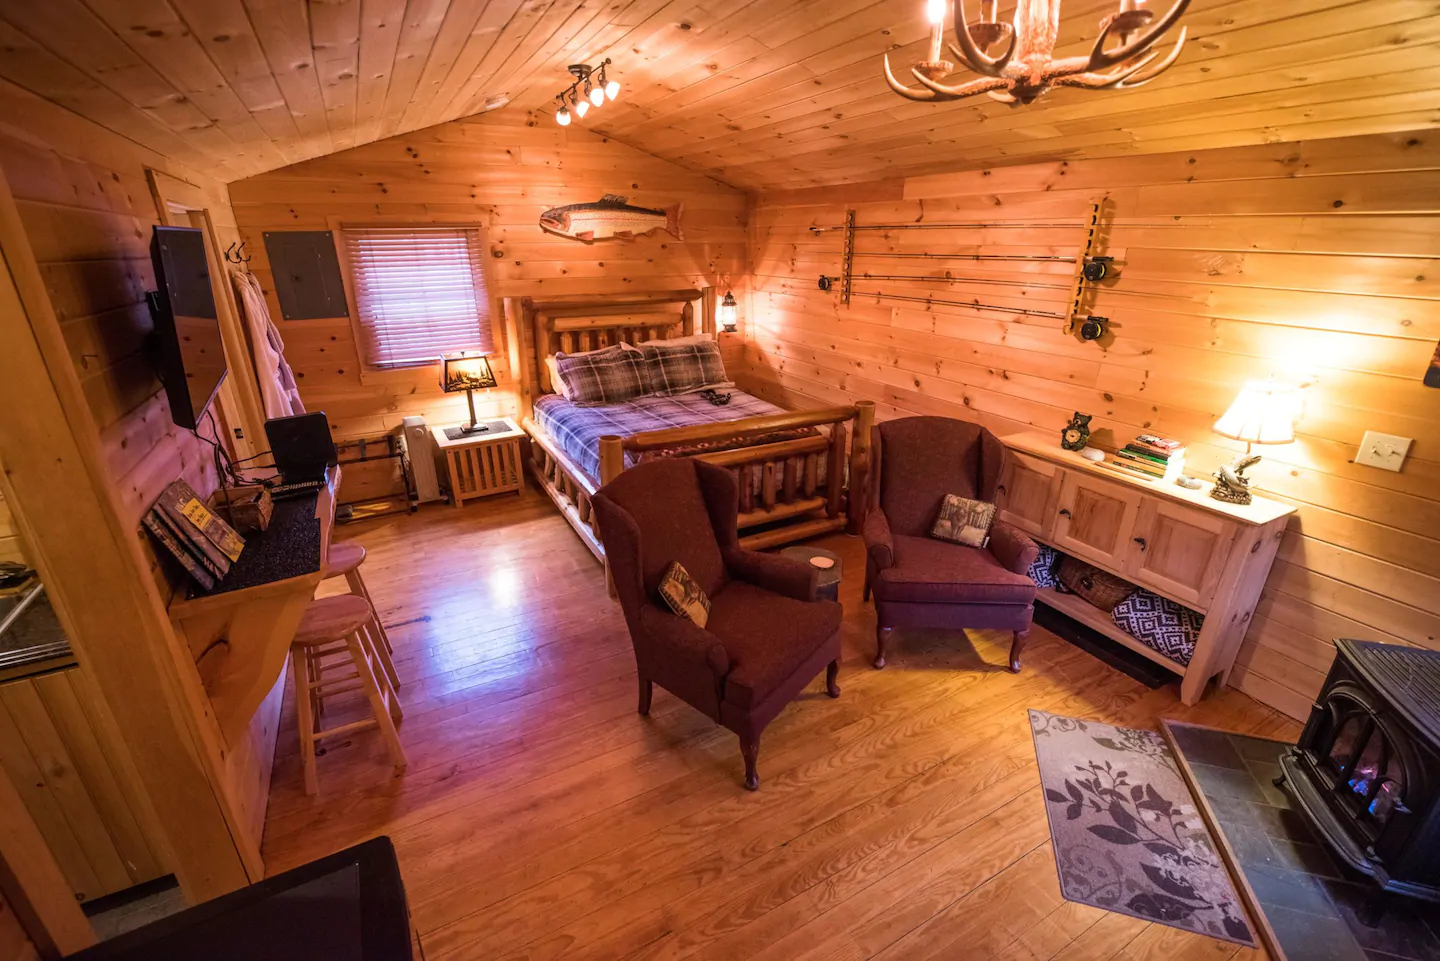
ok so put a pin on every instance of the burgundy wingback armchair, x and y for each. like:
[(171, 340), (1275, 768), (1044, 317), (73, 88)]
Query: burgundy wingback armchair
[(919, 581), (766, 637)]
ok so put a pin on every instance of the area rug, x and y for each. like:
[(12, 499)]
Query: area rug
[(1126, 832)]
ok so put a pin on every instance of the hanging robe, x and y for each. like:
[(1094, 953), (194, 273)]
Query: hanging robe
[(278, 390)]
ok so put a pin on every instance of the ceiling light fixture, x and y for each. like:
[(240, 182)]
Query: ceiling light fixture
[(598, 87), (1028, 67)]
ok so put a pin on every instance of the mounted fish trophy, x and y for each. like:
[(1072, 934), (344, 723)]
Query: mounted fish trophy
[(1028, 67), (611, 218)]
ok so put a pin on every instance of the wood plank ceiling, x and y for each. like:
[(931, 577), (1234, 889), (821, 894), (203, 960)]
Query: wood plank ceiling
[(760, 94)]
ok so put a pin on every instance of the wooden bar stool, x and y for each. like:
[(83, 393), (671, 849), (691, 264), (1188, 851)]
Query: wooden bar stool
[(330, 628), (345, 560)]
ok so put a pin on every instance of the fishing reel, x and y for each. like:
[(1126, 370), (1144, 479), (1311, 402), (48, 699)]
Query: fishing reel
[(1093, 328), (1097, 269), (827, 282)]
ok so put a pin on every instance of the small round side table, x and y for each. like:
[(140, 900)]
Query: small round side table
[(829, 576)]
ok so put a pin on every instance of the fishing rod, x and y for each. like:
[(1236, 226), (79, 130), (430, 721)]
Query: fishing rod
[(960, 303), (814, 229), (1046, 257), (959, 280), (828, 280)]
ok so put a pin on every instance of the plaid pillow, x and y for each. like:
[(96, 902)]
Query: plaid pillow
[(684, 368), (610, 376)]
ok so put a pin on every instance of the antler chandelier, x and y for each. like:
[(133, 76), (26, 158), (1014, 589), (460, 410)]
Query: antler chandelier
[(1028, 67)]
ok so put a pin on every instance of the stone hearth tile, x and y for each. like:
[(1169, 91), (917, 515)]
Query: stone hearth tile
[(1313, 937), (1402, 931), (1288, 889), (1228, 782), (1206, 746), (1307, 857)]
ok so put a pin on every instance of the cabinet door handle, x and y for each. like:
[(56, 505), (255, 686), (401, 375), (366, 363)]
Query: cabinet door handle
[(1001, 489), (1141, 542), (1064, 512)]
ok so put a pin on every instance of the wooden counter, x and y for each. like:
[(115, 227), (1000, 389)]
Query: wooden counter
[(1208, 555), (241, 636)]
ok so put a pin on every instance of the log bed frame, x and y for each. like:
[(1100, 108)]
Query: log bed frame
[(791, 503)]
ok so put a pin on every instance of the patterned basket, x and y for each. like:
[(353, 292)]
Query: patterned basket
[(1042, 570), (1160, 624)]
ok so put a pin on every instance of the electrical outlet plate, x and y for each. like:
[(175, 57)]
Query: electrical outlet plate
[(1385, 451)]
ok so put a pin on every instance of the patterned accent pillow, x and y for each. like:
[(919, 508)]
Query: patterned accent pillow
[(599, 377), (1160, 624), (683, 596), (1042, 570), (964, 521), (684, 368)]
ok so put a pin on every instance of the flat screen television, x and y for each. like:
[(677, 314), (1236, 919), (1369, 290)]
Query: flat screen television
[(186, 347)]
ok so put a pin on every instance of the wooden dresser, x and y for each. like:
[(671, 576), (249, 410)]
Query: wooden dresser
[(1208, 555)]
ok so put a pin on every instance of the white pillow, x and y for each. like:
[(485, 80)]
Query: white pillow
[(679, 341), (557, 383)]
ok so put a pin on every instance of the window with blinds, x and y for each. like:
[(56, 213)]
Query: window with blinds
[(419, 292)]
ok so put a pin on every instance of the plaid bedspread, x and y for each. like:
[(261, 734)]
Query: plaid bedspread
[(578, 429)]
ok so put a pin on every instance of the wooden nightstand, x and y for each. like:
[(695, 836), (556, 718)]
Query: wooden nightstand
[(484, 463)]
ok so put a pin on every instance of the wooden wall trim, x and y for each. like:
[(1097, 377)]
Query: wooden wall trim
[(91, 564)]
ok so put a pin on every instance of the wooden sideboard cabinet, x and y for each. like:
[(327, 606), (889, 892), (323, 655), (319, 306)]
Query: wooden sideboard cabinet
[(1208, 555)]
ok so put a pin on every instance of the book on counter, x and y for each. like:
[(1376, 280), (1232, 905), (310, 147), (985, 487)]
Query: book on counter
[(201, 542), (1153, 457)]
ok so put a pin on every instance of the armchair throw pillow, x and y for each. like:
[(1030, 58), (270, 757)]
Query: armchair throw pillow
[(964, 521), (683, 596)]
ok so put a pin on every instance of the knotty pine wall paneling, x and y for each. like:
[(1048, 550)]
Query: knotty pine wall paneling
[(502, 169), (1313, 261)]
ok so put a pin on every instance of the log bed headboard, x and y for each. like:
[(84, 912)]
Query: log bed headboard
[(589, 322)]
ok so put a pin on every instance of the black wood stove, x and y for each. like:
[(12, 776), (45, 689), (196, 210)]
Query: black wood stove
[(1366, 771)]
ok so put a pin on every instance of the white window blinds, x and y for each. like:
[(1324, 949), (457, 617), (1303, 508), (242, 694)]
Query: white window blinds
[(419, 292)]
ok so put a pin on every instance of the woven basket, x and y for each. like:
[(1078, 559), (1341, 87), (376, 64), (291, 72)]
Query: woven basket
[(1101, 589)]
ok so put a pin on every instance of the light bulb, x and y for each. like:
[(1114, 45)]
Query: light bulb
[(582, 107), (612, 89), (562, 117), (597, 95), (935, 11)]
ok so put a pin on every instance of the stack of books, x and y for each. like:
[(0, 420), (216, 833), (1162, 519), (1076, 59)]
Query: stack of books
[(204, 544), (1156, 458)]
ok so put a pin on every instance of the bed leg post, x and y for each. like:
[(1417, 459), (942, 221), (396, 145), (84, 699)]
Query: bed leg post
[(612, 458), (859, 466)]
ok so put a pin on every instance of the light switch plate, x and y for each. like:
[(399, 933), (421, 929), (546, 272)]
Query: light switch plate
[(1385, 451)]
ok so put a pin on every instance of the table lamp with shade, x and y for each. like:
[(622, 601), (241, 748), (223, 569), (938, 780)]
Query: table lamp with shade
[(467, 370), (1263, 413)]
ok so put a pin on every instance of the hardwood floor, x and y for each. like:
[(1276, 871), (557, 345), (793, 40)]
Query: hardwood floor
[(542, 818)]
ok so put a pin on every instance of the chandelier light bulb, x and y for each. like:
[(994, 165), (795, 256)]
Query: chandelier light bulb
[(612, 89), (597, 95), (935, 11), (562, 117), (582, 107)]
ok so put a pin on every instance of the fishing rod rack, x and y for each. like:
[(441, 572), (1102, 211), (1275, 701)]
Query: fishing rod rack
[(1090, 268)]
